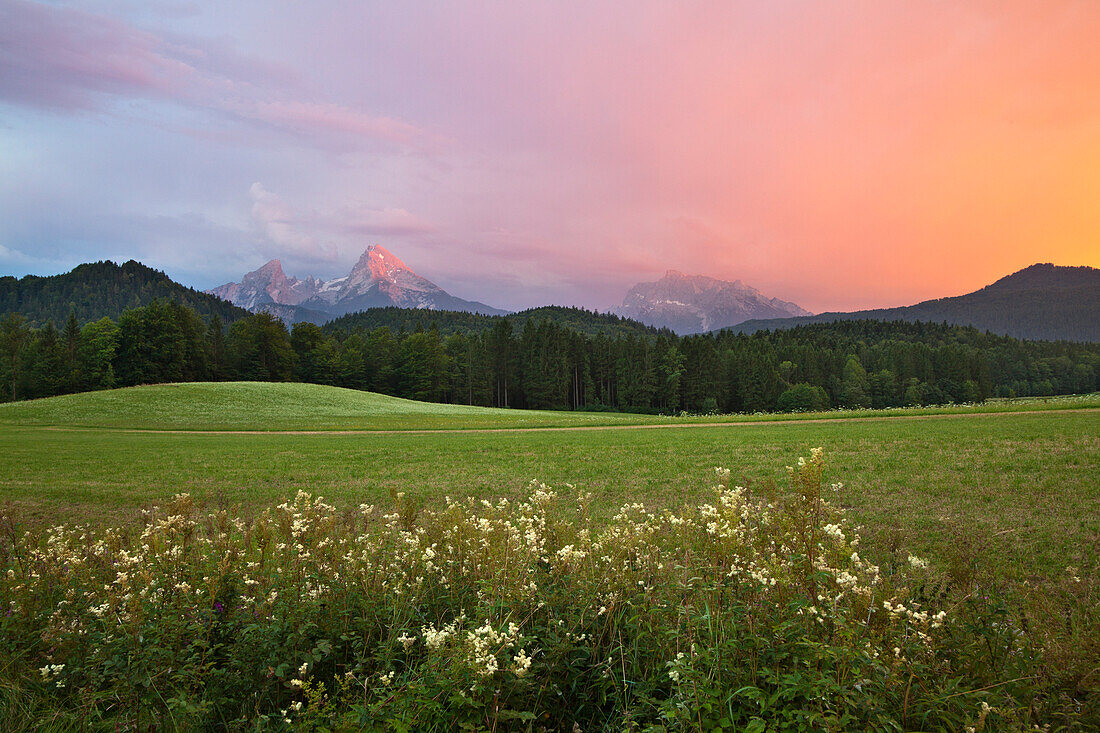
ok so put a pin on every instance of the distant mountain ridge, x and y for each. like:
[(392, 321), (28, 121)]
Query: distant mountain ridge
[(269, 284), (697, 303), (1045, 275), (1042, 302), (97, 289), (591, 323), (378, 280)]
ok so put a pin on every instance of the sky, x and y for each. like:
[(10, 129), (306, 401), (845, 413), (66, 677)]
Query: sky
[(839, 155)]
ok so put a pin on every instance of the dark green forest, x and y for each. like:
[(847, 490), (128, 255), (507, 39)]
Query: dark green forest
[(98, 289), (451, 322), (544, 364)]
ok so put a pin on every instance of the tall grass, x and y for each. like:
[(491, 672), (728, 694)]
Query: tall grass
[(749, 613)]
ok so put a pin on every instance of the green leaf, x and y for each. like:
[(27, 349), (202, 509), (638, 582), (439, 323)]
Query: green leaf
[(753, 693)]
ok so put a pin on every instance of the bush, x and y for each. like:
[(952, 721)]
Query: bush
[(744, 614), (803, 398)]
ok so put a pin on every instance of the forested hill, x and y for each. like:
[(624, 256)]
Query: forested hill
[(99, 289), (1041, 302), (408, 320)]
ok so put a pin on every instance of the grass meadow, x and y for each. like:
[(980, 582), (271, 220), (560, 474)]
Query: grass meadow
[(1023, 489), (268, 407), (1005, 496)]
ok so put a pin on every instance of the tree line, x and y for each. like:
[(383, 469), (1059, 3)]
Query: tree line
[(546, 365), (449, 322)]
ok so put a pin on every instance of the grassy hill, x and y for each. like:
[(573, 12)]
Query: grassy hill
[(1042, 302), (98, 289), (272, 406)]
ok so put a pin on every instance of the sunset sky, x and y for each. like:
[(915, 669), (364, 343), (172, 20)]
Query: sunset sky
[(838, 154)]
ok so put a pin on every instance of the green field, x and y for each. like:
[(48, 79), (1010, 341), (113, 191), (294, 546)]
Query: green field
[(1003, 499), (1019, 489), (268, 407)]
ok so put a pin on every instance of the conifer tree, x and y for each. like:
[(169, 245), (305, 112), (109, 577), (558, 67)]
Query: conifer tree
[(14, 336)]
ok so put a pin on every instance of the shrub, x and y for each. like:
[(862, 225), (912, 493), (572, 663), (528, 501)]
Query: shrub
[(746, 614), (803, 397)]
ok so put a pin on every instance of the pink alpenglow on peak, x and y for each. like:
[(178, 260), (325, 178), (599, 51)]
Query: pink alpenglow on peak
[(378, 280), (380, 262), (379, 268)]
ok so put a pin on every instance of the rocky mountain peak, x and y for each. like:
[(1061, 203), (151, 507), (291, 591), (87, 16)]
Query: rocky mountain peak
[(271, 274), (378, 279), (273, 268), (379, 263), (697, 303)]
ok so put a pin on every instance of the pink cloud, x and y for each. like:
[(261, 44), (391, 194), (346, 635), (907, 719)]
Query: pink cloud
[(386, 222), (325, 235), (314, 119), (288, 231), (63, 58), (840, 156)]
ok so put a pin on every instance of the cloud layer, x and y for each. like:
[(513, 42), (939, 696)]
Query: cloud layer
[(874, 153)]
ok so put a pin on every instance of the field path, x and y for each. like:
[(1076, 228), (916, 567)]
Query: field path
[(562, 429)]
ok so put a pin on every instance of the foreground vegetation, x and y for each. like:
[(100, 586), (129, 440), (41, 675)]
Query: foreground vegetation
[(757, 610), (1003, 507)]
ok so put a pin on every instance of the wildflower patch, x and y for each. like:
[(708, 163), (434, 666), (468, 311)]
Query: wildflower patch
[(741, 613)]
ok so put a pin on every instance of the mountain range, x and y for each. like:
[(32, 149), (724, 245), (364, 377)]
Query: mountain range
[(1041, 302), (697, 303), (1044, 301), (378, 280)]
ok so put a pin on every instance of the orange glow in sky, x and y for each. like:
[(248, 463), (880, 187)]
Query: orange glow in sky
[(840, 155)]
